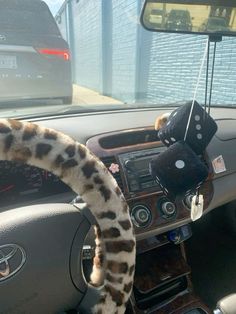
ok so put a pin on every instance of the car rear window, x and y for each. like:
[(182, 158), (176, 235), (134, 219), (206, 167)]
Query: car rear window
[(27, 16), (217, 22), (178, 14)]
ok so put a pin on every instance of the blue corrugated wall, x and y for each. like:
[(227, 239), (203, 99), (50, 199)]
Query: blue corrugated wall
[(114, 55)]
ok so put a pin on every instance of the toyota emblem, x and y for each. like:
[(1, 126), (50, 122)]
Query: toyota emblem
[(12, 259)]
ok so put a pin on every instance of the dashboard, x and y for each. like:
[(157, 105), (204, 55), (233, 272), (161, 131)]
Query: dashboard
[(126, 141), (23, 183), (127, 154)]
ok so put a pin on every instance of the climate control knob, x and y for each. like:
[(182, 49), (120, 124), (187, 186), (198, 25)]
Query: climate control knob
[(168, 209), (141, 216), (188, 201)]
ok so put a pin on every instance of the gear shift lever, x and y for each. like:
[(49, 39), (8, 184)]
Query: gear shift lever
[(226, 305)]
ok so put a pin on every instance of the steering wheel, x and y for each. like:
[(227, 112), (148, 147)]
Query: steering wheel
[(41, 245)]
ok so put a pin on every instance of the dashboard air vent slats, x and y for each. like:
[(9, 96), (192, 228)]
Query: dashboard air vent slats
[(107, 162)]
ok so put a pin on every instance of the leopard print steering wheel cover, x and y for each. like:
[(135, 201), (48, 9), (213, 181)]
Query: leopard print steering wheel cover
[(76, 166)]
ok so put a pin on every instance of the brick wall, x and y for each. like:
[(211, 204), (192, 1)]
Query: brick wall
[(124, 46), (174, 65), (86, 25)]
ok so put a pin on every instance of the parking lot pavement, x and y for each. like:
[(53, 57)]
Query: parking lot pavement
[(83, 95)]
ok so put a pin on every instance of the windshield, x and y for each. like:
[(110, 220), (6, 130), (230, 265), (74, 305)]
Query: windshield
[(76, 56)]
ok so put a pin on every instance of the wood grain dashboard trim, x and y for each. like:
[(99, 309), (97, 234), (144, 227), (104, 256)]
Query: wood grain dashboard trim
[(93, 143)]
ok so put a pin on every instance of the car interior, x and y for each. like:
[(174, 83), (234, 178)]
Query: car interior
[(185, 264)]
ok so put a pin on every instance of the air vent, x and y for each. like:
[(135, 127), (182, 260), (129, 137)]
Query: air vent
[(129, 138), (107, 162)]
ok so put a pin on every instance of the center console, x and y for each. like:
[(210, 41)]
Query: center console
[(162, 280)]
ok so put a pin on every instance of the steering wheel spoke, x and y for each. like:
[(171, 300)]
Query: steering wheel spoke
[(48, 235)]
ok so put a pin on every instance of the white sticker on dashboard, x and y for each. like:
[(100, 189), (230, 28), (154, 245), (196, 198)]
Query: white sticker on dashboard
[(219, 164)]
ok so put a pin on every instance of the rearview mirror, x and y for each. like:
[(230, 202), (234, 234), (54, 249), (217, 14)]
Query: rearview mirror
[(186, 16)]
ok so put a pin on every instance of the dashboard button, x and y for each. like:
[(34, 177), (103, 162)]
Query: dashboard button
[(166, 208)]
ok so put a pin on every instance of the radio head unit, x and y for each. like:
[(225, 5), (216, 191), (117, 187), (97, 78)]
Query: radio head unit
[(136, 169)]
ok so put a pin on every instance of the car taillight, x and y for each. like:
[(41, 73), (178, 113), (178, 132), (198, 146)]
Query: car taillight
[(60, 53)]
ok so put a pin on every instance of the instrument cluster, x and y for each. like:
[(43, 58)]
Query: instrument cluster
[(21, 183)]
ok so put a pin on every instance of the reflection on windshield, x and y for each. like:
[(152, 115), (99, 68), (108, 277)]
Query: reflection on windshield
[(110, 59)]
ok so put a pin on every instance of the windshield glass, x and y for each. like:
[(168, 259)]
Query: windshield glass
[(72, 56)]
